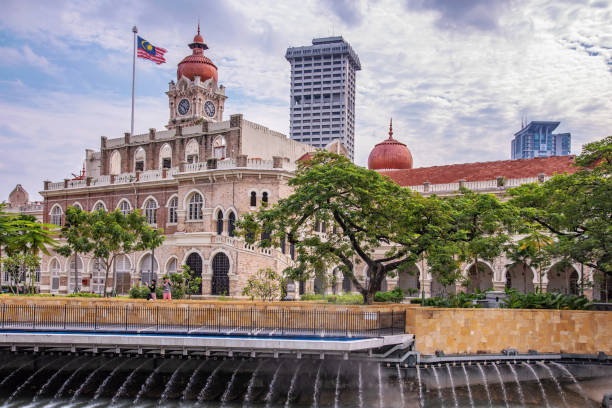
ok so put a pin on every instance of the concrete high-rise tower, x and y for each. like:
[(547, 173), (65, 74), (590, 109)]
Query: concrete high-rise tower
[(538, 140), (323, 92)]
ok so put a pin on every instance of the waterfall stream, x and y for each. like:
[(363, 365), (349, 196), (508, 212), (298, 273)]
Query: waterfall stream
[(360, 393), (485, 383), (247, 396), (148, 381), (421, 401), (544, 397), (337, 390), (126, 383), (291, 391), (228, 389), (315, 397), (502, 384), (518, 384), (439, 388), (108, 378), (552, 376), (209, 381), (467, 384), (452, 382), (571, 376)]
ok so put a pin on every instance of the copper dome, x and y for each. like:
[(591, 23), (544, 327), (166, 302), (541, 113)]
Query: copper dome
[(197, 64), (390, 155)]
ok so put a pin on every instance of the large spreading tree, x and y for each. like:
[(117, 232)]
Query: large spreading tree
[(363, 212), (575, 209)]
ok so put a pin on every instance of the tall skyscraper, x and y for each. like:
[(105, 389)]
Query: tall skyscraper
[(537, 140), (323, 92)]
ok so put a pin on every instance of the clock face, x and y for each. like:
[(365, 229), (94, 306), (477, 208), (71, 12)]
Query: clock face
[(183, 107), (209, 109)]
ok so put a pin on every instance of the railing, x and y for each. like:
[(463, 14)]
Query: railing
[(150, 175), (125, 178), (77, 183), (203, 320), (476, 185), (56, 186)]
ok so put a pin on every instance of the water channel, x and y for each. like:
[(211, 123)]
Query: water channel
[(28, 380)]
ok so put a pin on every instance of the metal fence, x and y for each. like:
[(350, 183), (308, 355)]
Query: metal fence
[(203, 320)]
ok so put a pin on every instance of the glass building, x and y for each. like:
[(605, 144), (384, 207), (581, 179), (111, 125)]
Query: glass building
[(322, 107), (538, 140)]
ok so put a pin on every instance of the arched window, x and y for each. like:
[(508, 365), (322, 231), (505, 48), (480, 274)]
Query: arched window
[(219, 222), (253, 199), (56, 215), (122, 272), (347, 284), (195, 207), (151, 211), (219, 147), (573, 283), (220, 278), (264, 197), (172, 211), (147, 273), (283, 245), (125, 207), (55, 275), (171, 266), (194, 262), (99, 206), (192, 151), (231, 224), (165, 157), (97, 276), (139, 159), (77, 206), (72, 282), (115, 163)]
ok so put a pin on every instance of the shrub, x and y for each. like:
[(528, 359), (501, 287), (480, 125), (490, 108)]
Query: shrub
[(264, 285), (460, 300), (538, 300), (396, 295), (85, 295), (140, 292), (312, 296)]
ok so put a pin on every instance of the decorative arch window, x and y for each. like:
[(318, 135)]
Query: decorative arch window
[(219, 147), (165, 157), (196, 203), (192, 152), (55, 274), (122, 274), (125, 207), (139, 159), (231, 224), (573, 283), (151, 211), (283, 245), (172, 211), (219, 222), (148, 272), (253, 199), (171, 266), (115, 163), (99, 206), (264, 197), (77, 205), (56, 215)]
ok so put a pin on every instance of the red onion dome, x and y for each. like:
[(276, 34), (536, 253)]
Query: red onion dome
[(390, 155), (197, 64)]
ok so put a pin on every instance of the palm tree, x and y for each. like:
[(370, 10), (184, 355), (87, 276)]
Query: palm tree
[(536, 244)]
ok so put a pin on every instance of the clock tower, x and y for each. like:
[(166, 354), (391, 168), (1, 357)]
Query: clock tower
[(196, 96)]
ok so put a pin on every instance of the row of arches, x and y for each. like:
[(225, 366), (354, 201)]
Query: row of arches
[(192, 155), (147, 270), (560, 279)]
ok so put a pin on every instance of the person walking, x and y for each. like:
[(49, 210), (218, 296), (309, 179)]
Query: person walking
[(152, 287), (167, 287)]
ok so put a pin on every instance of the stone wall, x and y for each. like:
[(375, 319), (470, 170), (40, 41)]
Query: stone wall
[(475, 331)]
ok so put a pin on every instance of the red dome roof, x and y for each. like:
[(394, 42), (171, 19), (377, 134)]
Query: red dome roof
[(390, 154), (197, 64)]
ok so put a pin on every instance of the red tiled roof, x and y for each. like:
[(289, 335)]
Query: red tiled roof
[(305, 157), (480, 171)]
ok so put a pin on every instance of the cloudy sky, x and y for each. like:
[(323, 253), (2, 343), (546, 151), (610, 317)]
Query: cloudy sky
[(457, 76)]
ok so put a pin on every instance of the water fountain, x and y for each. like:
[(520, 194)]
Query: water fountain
[(86, 381)]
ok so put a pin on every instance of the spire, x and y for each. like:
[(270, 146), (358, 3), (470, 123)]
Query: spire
[(198, 25), (391, 129)]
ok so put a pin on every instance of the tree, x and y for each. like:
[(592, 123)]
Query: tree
[(106, 235), (576, 209), (22, 234), (264, 285), (536, 246), (363, 211), (20, 267), (481, 222), (184, 282), (75, 232)]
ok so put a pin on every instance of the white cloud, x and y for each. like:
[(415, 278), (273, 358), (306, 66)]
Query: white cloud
[(24, 56)]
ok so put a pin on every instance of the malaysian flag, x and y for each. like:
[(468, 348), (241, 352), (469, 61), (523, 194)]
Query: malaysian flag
[(150, 52)]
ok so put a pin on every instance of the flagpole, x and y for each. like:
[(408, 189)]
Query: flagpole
[(135, 31)]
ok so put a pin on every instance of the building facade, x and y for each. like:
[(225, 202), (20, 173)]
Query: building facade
[(322, 105), (193, 179), (537, 140)]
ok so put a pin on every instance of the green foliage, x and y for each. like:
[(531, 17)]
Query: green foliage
[(84, 295), (539, 300), (21, 269), (106, 235), (460, 300), (345, 299), (264, 285), (140, 292), (396, 295), (574, 209), (184, 283)]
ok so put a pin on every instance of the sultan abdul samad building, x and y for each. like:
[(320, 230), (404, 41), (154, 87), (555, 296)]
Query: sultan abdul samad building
[(195, 178)]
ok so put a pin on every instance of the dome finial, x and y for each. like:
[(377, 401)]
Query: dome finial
[(198, 25), (391, 129)]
